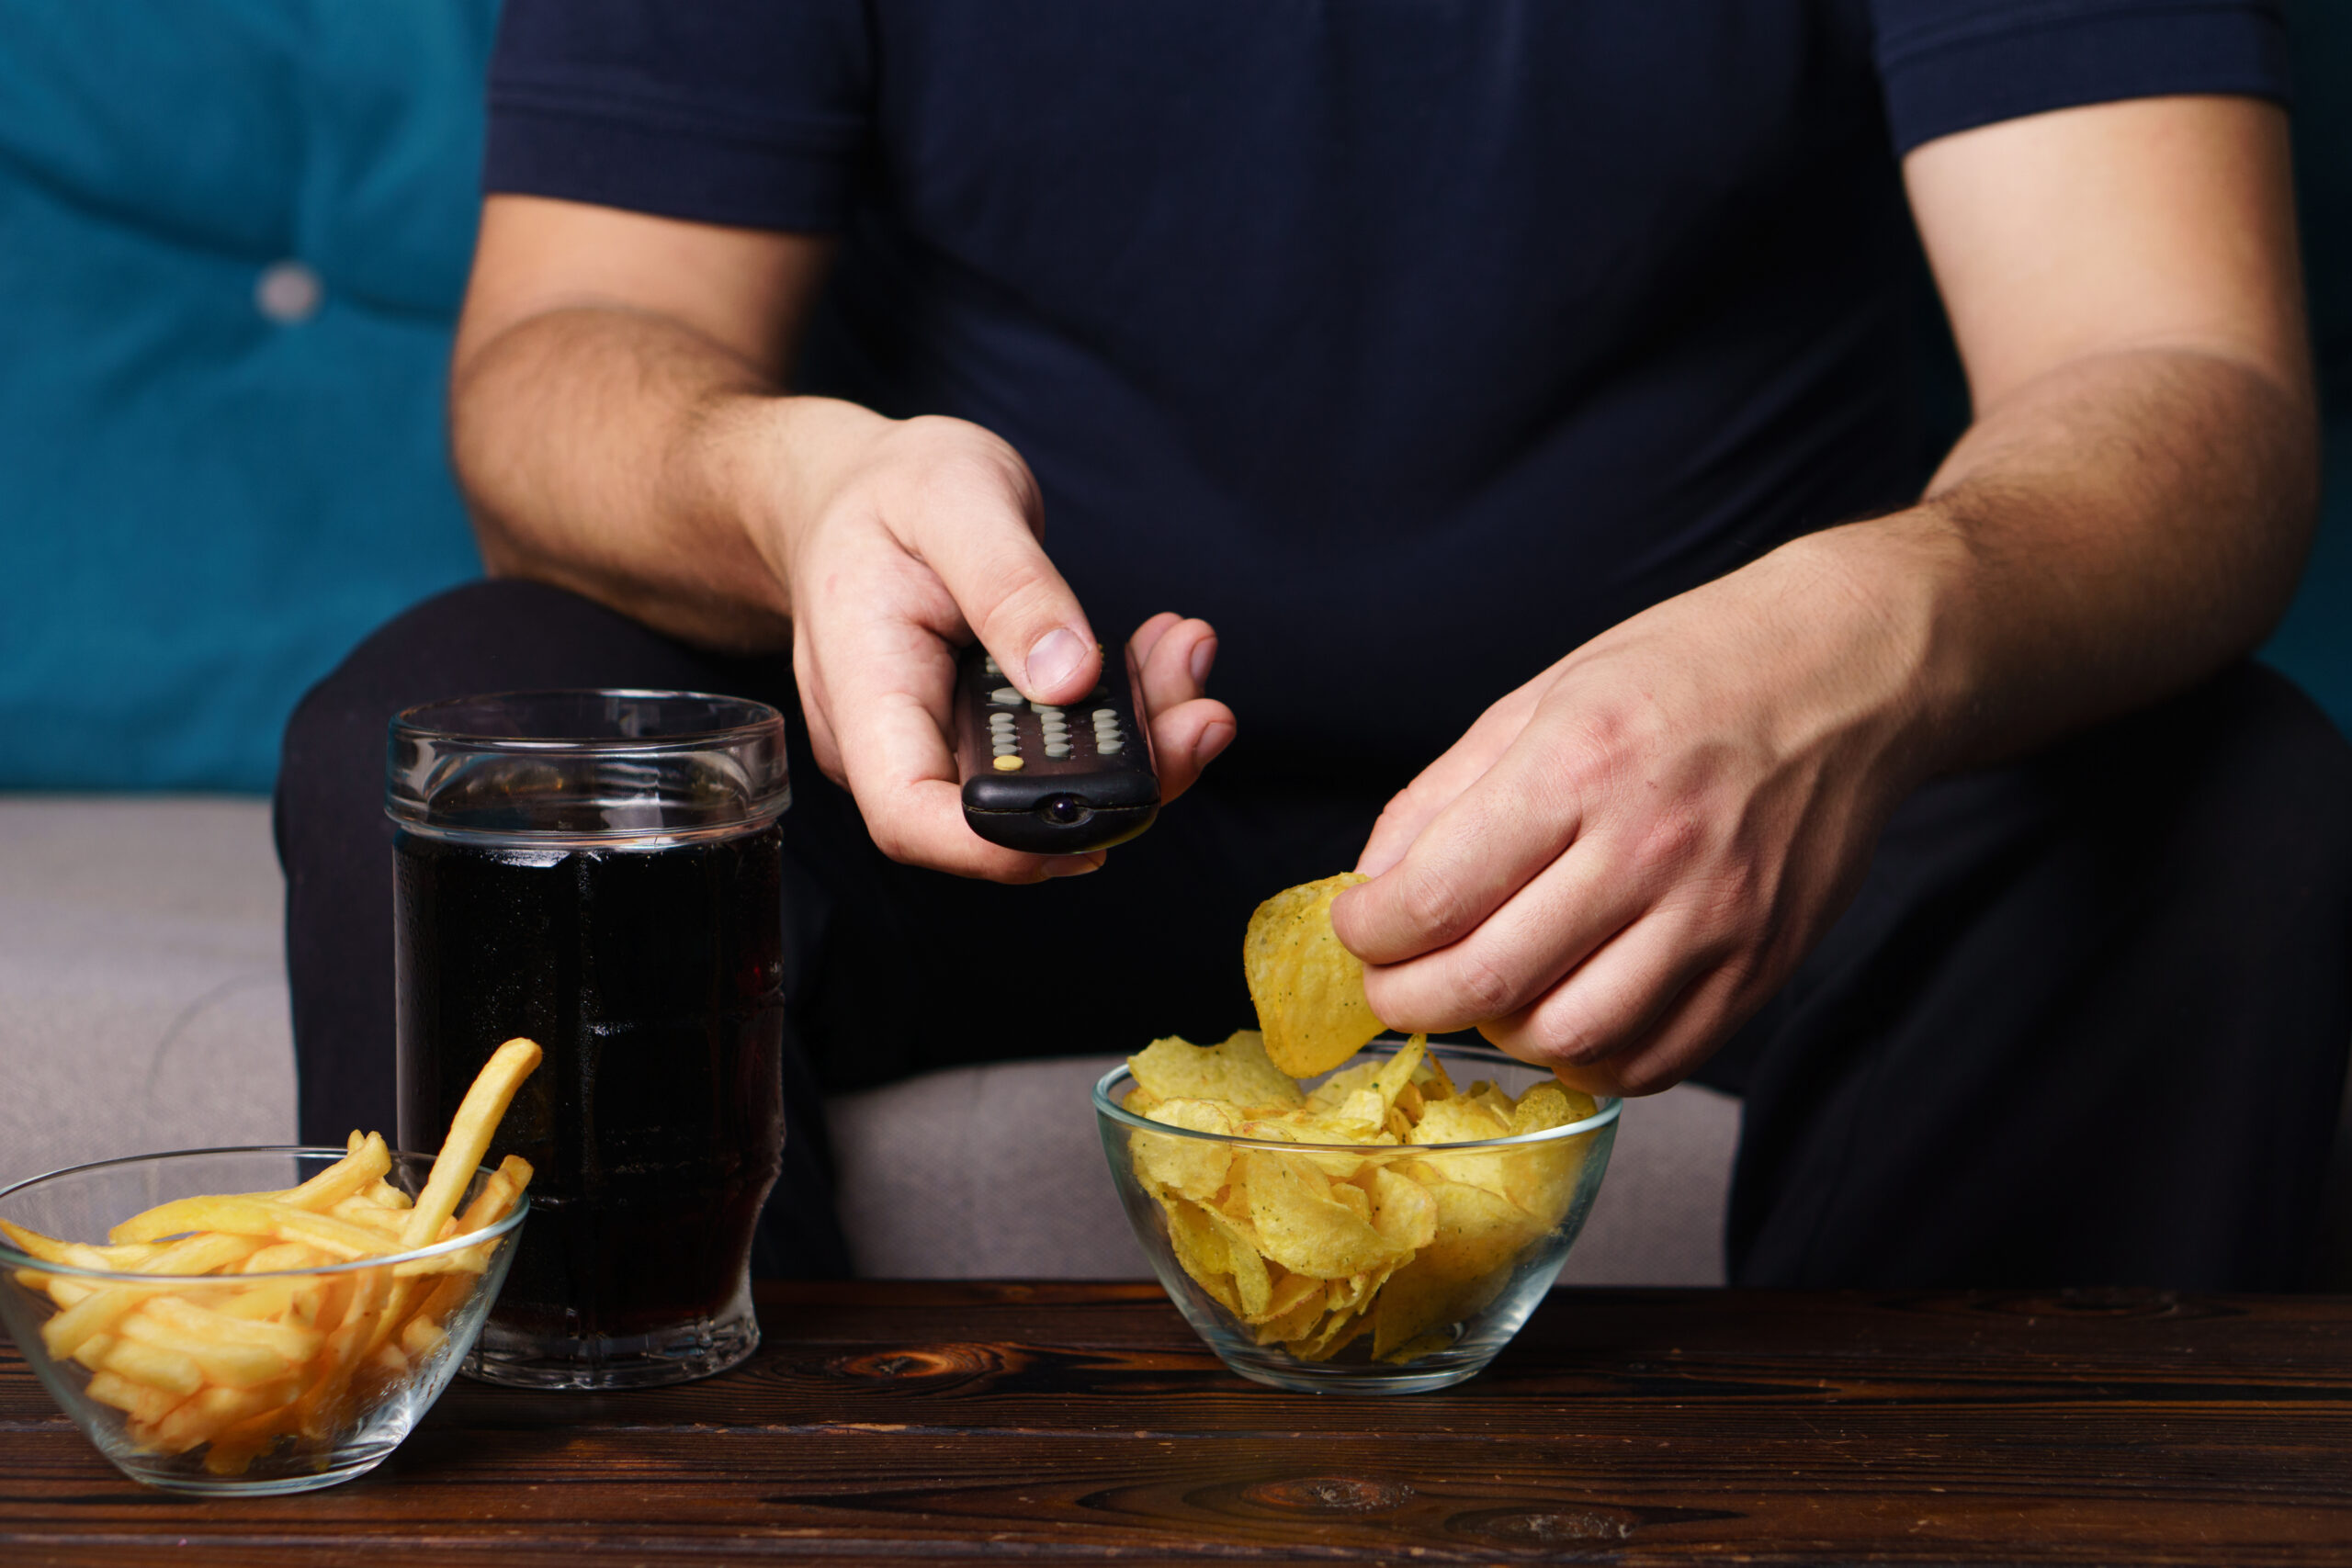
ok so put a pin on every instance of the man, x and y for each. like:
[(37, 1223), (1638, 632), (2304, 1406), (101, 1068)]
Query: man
[(1514, 395)]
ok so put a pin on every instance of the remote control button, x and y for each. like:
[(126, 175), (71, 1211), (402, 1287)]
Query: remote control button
[(1109, 748), (987, 662), (1053, 727), (1057, 750), (1005, 696), (1101, 714), (1009, 764), (1044, 708), (1004, 748)]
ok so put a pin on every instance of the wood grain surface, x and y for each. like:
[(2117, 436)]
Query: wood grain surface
[(953, 1423)]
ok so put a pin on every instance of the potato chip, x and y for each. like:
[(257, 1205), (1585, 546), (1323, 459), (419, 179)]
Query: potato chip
[(1190, 1168), (1296, 1308), (1459, 1272), (1303, 1224), (1237, 1072), (1308, 988), (1252, 1285), (1402, 1210), (1199, 1246)]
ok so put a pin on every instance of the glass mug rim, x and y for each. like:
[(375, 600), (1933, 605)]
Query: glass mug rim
[(659, 768)]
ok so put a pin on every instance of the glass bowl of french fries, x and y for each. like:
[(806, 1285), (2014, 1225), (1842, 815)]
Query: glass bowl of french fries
[(284, 1337), (1385, 1227)]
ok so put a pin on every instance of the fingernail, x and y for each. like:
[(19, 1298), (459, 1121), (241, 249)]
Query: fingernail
[(1074, 865), (1214, 740), (1053, 659), (1203, 656)]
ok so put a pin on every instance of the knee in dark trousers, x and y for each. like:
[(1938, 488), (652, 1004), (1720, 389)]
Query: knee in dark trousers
[(2085, 1023)]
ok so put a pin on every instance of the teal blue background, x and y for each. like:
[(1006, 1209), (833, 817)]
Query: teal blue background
[(2314, 643), (202, 510)]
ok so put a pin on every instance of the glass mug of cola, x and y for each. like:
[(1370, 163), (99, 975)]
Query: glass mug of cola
[(602, 871)]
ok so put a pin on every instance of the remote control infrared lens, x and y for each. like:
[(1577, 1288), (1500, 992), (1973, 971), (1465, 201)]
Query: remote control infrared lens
[(1064, 810)]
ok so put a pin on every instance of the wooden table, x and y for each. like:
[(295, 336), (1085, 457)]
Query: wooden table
[(949, 1423)]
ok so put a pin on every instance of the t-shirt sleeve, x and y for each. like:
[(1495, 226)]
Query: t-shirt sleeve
[(1949, 65), (753, 113)]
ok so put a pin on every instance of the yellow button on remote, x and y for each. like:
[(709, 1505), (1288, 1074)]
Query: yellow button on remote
[(1008, 764)]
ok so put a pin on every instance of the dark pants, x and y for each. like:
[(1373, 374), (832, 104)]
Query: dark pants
[(2085, 1022)]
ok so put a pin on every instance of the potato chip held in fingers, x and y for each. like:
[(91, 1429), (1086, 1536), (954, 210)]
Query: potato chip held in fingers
[(1308, 989)]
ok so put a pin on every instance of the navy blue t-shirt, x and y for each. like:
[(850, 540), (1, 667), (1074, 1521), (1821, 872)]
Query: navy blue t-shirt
[(1411, 342)]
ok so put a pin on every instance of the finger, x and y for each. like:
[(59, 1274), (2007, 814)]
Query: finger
[(1147, 634), (1174, 664), (1586, 1027), (1173, 657), (975, 523), (896, 678), (1692, 1028), (1541, 932), (1185, 740), (1478, 850), (1441, 782)]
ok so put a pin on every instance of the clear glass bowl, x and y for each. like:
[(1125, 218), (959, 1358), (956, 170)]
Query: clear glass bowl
[(263, 1429), (1506, 1211)]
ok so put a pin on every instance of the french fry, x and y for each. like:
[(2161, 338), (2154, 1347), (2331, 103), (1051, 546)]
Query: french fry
[(198, 1418), (228, 1363), (27, 1240), (284, 1255), (235, 1446), (203, 1323), (363, 1210), (354, 1172), (422, 1336), (265, 1217), (493, 1203), (166, 1370), (320, 1405), (135, 1400), (334, 1300), (469, 1133)]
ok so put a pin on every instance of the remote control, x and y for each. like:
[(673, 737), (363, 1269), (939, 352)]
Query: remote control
[(1053, 781)]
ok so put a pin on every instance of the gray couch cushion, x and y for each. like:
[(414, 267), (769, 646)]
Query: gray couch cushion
[(143, 1007), (142, 991)]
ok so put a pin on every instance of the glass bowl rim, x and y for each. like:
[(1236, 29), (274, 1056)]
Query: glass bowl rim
[(409, 723), (1609, 1107), (13, 1257)]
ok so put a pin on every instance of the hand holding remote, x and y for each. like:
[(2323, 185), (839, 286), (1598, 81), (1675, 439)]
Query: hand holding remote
[(918, 536)]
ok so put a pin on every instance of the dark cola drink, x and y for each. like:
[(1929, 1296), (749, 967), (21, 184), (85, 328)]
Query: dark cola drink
[(630, 920)]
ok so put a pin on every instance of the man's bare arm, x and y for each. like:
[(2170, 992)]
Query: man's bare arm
[(602, 358), (1625, 857), (2134, 500), (622, 428)]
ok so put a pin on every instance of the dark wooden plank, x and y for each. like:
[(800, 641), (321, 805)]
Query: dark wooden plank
[(977, 1423)]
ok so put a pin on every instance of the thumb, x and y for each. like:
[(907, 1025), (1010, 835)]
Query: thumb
[(983, 544)]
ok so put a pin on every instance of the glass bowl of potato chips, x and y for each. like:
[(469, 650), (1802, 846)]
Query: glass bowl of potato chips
[(1382, 1228), (283, 1337)]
